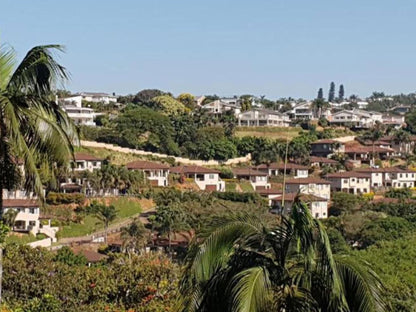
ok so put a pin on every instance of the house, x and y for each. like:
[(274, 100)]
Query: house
[(274, 169), (156, 173), (313, 186), (400, 147), (263, 117), (80, 115), (92, 257), (364, 153), (352, 182), (205, 178), (199, 99), (356, 118), (219, 107), (302, 111), (400, 109), (258, 179), (84, 161), (362, 104), (27, 218), (98, 97), (268, 194), (390, 177), (320, 162), (396, 121), (317, 205), (326, 147)]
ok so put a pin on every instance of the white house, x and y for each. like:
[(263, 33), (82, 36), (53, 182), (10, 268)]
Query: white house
[(302, 111), (205, 178), (317, 205), (397, 121), (84, 161), (156, 173), (356, 117), (390, 177), (263, 117), (350, 182), (295, 170), (80, 115), (221, 106), (258, 179), (269, 194), (98, 97), (313, 186)]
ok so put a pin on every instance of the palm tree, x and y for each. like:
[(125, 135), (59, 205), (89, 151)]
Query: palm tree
[(244, 265), (32, 125), (402, 137), (9, 217), (134, 236), (374, 134), (106, 214)]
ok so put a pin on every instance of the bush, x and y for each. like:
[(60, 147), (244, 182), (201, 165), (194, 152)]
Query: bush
[(404, 193), (226, 173), (62, 198), (239, 197)]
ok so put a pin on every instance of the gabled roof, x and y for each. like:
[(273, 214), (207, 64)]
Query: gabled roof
[(348, 174), (192, 170), (389, 169), (85, 156), (92, 256), (314, 159), (248, 172), (367, 149), (143, 165), (281, 166), (15, 203), (309, 180), (268, 191)]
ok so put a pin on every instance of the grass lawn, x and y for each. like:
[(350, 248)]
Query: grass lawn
[(246, 187), (126, 208), (230, 186), (268, 132), (20, 239)]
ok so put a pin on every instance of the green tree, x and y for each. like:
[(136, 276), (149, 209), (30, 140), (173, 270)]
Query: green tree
[(245, 265), (134, 236), (331, 94), (67, 256), (403, 193), (374, 134), (188, 100), (320, 94), (341, 93), (106, 214), (168, 105), (344, 203)]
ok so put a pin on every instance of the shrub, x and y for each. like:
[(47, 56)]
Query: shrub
[(404, 193), (62, 198), (226, 173), (238, 197)]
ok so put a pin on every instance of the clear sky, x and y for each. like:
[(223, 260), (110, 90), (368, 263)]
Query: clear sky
[(275, 48)]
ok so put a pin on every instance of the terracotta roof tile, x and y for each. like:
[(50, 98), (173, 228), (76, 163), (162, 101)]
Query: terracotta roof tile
[(85, 156), (309, 180), (11, 203), (192, 169), (140, 164)]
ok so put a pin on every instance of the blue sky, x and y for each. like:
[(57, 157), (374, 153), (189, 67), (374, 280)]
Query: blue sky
[(275, 48)]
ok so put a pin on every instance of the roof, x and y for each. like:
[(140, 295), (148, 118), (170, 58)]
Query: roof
[(92, 256), (12, 203), (348, 174), (101, 94), (389, 169), (307, 198), (389, 138), (71, 186), (367, 149), (248, 172), (140, 164), (314, 159), (309, 180), (85, 156), (325, 141), (282, 166), (268, 191), (192, 169)]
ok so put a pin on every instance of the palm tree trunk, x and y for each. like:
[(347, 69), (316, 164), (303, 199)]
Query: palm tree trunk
[(1, 271), (105, 232)]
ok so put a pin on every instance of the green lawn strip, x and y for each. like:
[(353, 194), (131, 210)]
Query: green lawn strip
[(246, 187), (20, 239), (230, 186)]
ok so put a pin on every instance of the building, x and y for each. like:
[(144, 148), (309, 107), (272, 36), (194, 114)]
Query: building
[(390, 177), (199, 99), (396, 121), (352, 182), (356, 118), (400, 147), (80, 115), (98, 97), (362, 104), (275, 169), (326, 147), (364, 153), (400, 109), (317, 205), (302, 111), (205, 178), (219, 107), (258, 179), (156, 173), (84, 161), (319, 162), (269, 194), (313, 186), (263, 117)]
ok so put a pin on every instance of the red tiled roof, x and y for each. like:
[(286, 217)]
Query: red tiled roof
[(348, 174), (71, 186), (12, 203), (281, 166), (192, 169), (367, 149), (85, 156), (248, 172), (92, 256), (269, 191), (314, 159), (140, 164), (388, 169), (310, 180)]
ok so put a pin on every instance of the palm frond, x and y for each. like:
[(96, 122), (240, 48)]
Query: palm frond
[(7, 62)]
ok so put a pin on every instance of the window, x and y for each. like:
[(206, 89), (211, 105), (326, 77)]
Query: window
[(317, 215), (352, 180), (32, 210), (211, 176), (94, 163), (345, 181)]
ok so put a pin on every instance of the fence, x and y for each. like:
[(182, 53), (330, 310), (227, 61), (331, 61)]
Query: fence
[(185, 161)]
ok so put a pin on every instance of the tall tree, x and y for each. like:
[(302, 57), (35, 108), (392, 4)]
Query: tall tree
[(320, 94), (374, 134), (341, 93), (106, 214), (134, 236), (246, 265), (331, 94)]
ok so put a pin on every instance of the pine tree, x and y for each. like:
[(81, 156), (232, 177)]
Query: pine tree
[(331, 95), (320, 94), (341, 93)]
